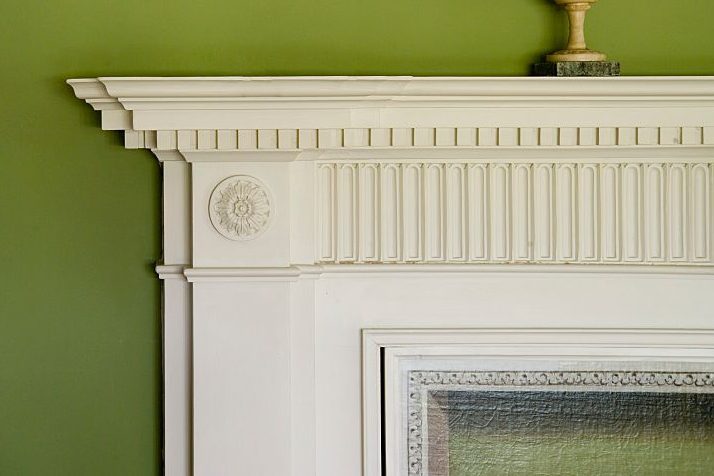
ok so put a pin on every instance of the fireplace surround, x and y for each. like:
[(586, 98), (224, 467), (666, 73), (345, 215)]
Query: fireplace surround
[(319, 232)]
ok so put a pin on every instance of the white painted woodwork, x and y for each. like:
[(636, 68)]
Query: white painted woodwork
[(538, 212), (457, 204), (441, 355)]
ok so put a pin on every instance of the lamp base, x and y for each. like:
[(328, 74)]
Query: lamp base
[(567, 69)]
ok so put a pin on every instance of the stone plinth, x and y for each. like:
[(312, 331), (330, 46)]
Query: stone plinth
[(577, 68)]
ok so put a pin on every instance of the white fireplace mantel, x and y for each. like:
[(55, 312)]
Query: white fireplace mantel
[(300, 212)]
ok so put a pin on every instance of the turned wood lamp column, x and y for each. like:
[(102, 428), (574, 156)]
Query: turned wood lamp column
[(576, 50)]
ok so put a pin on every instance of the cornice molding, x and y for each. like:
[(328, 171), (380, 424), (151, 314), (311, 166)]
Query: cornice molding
[(303, 114), (335, 88)]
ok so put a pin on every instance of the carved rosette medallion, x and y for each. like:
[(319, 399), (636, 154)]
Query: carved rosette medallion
[(240, 208)]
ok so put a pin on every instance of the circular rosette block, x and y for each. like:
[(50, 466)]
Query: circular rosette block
[(240, 208)]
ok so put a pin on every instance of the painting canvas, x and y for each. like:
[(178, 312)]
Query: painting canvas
[(560, 423)]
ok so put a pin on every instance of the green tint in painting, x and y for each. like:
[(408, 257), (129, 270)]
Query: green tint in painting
[(573, 432)]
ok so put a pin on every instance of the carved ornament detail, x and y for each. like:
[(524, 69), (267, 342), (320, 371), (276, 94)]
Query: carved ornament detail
[(420, 382), (240, 208)]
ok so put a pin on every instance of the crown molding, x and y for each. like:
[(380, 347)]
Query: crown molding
[(131, 90), (297, 114)]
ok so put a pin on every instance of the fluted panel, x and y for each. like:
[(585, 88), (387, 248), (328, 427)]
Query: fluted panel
[(588, 222), (677, 212), (566, 215), (326, 205), (412, 206), (477, 184), (515, 212), (368, 212), (522, 215), (391, 218), (347, 212), (543, 216), (434, 208), (654, 212), (610, 212), (632, 212), (456, 207), (500, 213), (701, 212)]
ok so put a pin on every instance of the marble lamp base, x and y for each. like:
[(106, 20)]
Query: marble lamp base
[(577, 68)]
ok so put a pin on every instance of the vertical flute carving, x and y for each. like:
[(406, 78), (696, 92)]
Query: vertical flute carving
[(431, 211)]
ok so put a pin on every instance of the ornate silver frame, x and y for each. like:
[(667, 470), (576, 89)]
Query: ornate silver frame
[(421, 382)]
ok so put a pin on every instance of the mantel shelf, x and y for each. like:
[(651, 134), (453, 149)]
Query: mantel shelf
[(283, 89)]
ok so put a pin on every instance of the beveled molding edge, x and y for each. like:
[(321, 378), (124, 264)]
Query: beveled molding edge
[(107, 92), (617, 336), (295, 272), (170, 271)]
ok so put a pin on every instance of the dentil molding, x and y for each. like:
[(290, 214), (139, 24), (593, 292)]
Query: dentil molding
[(326, 113)]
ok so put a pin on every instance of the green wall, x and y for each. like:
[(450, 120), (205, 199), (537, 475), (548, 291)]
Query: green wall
[(79, 216)]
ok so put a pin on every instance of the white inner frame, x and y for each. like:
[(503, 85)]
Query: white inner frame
[(398, 351), (581, 206)]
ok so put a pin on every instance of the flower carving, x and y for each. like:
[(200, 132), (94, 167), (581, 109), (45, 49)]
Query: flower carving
[(239, 208)]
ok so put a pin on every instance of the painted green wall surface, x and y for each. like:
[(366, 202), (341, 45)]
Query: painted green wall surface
[(80, 360)]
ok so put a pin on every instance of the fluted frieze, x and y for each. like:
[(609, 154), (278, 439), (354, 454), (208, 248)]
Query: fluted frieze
[(505, 212)]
